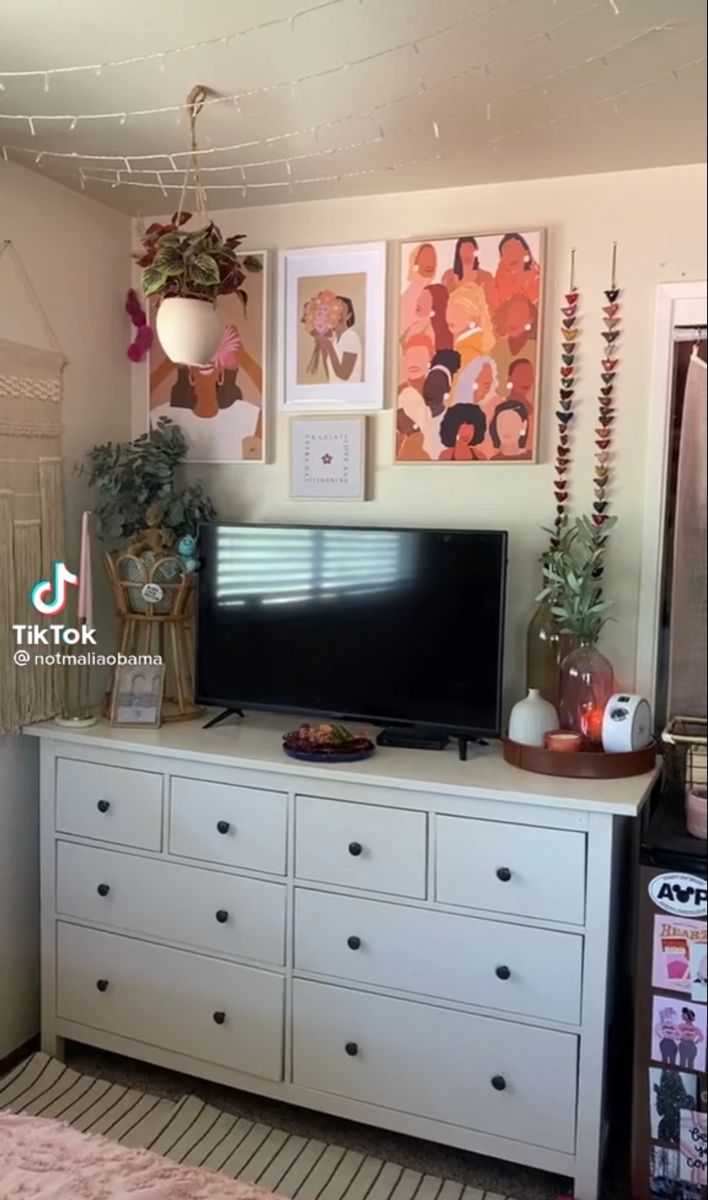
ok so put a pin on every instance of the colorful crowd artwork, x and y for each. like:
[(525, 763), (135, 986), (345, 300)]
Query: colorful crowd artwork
[(468, 350)]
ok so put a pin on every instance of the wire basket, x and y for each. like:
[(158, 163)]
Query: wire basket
[(685, 755)]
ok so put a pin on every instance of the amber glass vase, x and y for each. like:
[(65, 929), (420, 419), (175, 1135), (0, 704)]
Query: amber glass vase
[(587, 683), (546, 647)]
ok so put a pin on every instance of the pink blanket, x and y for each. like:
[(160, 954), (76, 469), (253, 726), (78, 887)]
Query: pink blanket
[(45, 1160)]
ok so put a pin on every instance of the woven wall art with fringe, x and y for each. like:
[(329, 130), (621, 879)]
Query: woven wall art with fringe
[(31, 519)]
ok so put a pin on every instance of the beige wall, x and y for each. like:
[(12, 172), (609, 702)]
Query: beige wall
[(658, 218), (76, 253)]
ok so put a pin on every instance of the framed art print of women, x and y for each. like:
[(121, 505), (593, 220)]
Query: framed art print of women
[(469, 325), (332, 328)]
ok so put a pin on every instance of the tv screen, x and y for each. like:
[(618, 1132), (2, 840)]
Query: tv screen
[(392, 626)]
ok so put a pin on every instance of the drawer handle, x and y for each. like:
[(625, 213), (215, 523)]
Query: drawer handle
[(354, 942), (223, 826), (503, 973), (103, 889), (355, 849), (219, 1018), (102, 985), (352, 1049), (504, 875), (222, 916), (499, 1083), (103, 806)]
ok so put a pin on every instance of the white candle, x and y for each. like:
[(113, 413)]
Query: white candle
[(85, 604)]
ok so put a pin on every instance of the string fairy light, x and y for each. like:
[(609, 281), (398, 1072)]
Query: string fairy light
[(161, 55), (316, 129), (235, 97)]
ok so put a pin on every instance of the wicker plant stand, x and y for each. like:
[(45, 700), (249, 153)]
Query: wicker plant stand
[(165, 628)]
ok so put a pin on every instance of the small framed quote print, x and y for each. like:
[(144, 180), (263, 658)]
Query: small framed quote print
[(332, 328), (328, 458), (137, 695)]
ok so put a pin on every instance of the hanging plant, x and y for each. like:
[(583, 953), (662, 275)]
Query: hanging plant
[(198, 264), (188, 269)]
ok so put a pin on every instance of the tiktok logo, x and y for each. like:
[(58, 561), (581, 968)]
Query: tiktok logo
[(50, 595)]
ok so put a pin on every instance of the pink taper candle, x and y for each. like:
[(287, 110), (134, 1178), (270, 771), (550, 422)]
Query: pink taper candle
[(85, 604)]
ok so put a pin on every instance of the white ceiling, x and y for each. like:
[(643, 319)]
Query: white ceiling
[(347, 97)]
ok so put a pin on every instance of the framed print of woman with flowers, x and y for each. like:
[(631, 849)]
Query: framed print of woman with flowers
[(332, 323)]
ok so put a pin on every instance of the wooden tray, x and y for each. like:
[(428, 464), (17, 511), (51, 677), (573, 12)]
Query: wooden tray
[(581, 764)]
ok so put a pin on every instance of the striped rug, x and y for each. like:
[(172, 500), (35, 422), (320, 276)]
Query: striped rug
[(192, 1132)]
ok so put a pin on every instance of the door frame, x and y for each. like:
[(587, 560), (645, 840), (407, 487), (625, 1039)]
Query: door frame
[(677, 304)]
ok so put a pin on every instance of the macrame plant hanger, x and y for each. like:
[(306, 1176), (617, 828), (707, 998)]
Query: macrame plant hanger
[(194, 105)]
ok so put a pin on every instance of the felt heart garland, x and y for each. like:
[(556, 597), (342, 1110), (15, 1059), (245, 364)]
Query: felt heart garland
[(612, 317), (564, 413)]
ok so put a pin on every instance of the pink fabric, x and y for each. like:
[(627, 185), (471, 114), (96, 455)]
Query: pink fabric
[(45, 1160)]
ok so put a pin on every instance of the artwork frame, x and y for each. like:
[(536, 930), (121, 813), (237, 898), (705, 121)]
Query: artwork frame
[(459, 361), (126, 713), (252, 360), (329, 429), (309, 362)]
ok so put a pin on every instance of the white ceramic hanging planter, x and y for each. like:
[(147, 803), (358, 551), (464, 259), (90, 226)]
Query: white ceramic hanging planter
[(189, 330)]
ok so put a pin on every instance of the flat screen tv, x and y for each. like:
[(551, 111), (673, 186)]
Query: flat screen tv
[(390, 626)]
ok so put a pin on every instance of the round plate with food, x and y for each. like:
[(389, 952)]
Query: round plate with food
[(327, 743)]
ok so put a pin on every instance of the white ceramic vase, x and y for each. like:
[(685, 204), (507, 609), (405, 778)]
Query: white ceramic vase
[(189, 330), (531, 719)]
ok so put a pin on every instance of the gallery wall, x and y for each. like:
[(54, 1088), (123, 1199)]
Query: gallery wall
[(656, 216)]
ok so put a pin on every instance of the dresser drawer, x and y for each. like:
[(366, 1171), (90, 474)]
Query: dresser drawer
[(109, 804), (437, 1063), (488, 963), (214, 1011), (361, 846), (244, 918), (237, 826), (511, 869)]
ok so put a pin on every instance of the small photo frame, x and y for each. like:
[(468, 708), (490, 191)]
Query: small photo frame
[(328, 458), (332, 328), (137, 695)]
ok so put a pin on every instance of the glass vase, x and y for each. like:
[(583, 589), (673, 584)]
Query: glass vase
[(587, 683), (546, 647)]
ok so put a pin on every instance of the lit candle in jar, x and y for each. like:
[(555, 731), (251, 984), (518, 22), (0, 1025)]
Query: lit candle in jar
[(593, 725)]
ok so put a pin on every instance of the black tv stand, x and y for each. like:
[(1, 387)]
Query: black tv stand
[(422, 737), (224, 716)]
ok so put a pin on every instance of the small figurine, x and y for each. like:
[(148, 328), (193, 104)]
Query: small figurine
[(187, 551), (154, 537)]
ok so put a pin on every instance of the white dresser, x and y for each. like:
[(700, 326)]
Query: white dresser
[(414, 942)]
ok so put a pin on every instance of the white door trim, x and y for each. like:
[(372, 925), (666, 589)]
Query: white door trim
[(676, 304)]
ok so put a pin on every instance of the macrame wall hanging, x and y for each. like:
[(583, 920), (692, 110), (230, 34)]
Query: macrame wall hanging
[(31, 505)]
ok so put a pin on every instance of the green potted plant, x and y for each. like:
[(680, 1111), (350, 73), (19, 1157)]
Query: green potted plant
[(147, 519), (188, 270), (573, 572)]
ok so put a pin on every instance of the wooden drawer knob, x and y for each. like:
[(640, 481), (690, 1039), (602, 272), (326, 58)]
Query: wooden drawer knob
[(222, 916), (503, 973), (102, 985), (355, 849), (219, 1018), (504, 875), (103, 806), (499, 1083), (352, 1049), (223, 826), (354, 942), (103, 889)]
